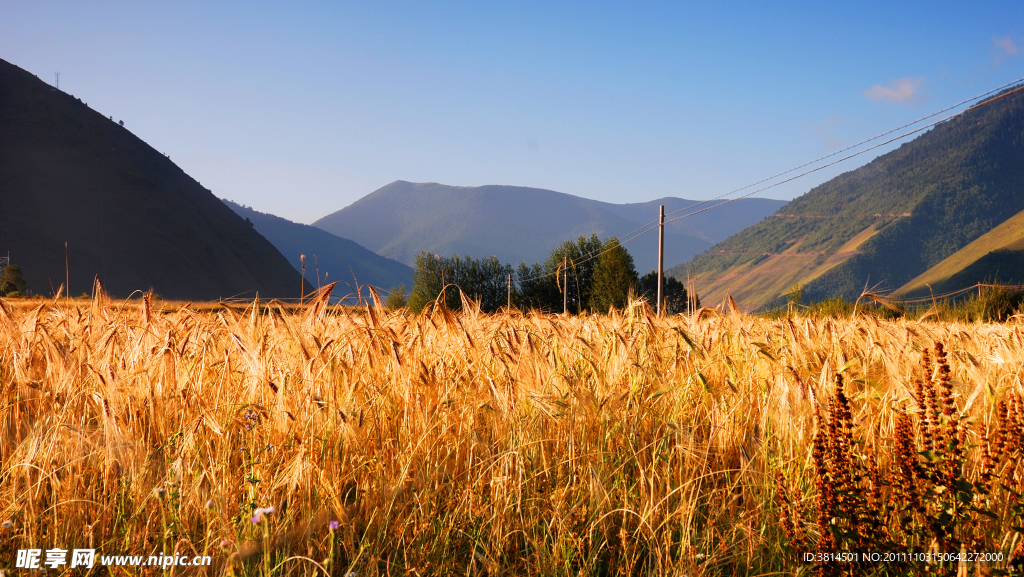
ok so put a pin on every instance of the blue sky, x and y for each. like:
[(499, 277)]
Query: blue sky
[(301, 110)]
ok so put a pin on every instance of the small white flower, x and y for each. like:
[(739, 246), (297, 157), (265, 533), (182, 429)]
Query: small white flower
[(258, 514), (7, 525)]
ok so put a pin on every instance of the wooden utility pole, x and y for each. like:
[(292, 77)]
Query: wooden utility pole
[(444, 285), (690, 302), (67, 275), (661, 255), (565, 285), (302, 292), (509, 292)]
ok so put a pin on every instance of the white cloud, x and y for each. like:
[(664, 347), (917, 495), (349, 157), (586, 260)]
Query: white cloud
[(823, 130), (900, 91), (1006, 45)]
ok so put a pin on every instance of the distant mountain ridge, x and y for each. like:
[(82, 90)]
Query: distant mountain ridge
[(885, 223), (521, 223), (338, 259), (129, 215)]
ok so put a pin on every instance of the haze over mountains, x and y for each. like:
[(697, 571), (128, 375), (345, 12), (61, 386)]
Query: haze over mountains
[(941, 196), (129, 215), (523, 224), (338, 259)]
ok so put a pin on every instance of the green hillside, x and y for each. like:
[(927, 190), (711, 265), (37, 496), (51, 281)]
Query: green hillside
[(129, 215), (339, 259), (997, 254), (884, 223)]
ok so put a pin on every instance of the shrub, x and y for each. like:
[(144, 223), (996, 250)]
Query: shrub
[(398, 298), (795, 296), (12, 284), (996, 303)]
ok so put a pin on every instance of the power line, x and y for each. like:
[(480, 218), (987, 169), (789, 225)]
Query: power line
[(653, 224), (870, 148), (830, 155), (781, 182)]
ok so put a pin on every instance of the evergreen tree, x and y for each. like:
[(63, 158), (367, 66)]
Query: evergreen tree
[(614, 278)]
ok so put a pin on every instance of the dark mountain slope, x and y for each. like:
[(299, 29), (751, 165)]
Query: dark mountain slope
[(886, 222), (337, 257), (128, 214), (510, 222)]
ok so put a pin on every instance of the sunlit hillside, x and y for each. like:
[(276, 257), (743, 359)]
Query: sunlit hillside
[(886, 223)]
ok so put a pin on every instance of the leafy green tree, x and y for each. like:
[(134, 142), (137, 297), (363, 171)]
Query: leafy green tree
[(427, 280), (484, 281), (674, 292), (575, 262), (572, 263), (12, 284), (536, 289), (614, 278)]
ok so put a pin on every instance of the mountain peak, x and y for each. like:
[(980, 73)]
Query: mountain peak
[(518, 223)]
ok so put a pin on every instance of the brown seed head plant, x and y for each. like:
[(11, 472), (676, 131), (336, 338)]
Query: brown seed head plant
[(516, 443)]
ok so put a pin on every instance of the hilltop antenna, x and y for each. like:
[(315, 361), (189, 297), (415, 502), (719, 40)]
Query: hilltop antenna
[(5, 261), (56, 80)]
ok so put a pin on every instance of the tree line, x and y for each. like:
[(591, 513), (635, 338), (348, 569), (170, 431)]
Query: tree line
[(587, 274)]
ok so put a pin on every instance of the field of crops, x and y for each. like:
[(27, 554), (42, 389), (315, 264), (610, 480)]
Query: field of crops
[(350, 440)]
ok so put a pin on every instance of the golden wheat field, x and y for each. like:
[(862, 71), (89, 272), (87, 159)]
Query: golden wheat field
[(509, 444)]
